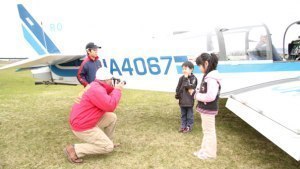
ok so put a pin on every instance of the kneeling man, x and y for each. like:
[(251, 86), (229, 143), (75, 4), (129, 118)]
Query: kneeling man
[(92, 119)]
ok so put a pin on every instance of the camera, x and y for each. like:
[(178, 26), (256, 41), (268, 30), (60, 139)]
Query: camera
[(117, 81)]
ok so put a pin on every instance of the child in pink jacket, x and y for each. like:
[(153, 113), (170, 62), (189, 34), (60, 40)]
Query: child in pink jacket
[(207, 96)]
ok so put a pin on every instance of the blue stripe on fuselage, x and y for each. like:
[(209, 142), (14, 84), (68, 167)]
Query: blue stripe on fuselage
[(222, 68), (243, 68), (64, 72), (180, 59), (267, 67)]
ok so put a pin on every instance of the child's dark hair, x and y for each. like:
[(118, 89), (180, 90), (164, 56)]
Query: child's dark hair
[(212, 61), (188, 64)]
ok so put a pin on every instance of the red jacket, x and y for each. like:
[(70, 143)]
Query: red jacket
[(97, 100)]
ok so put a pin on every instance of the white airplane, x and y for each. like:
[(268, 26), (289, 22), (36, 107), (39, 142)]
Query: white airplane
[(262, 92)]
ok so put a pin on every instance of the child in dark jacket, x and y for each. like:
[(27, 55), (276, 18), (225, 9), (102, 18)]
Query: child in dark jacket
[(186, 101)]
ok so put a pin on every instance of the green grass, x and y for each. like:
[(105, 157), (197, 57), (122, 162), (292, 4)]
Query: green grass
[(34, 129)]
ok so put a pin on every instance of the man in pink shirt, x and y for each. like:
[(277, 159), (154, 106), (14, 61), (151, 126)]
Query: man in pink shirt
[(92, 119)]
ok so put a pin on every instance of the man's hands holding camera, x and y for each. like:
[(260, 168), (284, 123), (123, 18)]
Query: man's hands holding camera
[(118, 84)]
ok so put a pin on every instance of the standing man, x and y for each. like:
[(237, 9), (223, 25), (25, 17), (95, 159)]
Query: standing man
[(92, 119), (89, 66)]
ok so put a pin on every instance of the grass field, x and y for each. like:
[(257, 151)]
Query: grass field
[(34, 129)]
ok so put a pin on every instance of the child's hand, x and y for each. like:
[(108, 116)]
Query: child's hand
[(177, 96), (191, 91)]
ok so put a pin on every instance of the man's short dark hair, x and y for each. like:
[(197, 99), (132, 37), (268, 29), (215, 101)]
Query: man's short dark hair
[(188, 64)]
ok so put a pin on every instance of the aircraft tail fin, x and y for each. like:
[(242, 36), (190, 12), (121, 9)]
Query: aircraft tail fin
[(35, 35)]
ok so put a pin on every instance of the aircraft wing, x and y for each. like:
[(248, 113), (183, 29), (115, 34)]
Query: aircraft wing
[(274, 111), (44, 60)]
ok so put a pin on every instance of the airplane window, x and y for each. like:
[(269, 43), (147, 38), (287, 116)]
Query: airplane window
[(258, 42), (235, 46), (295, 51), (76, 62), (248, 43)]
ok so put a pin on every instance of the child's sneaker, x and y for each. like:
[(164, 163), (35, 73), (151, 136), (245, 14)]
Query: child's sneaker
[(187, 129), (201, 155), (181, 130)]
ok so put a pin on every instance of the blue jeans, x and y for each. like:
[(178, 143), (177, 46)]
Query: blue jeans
[(187, 117)]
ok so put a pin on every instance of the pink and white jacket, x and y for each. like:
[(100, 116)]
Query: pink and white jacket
[(208, 94)]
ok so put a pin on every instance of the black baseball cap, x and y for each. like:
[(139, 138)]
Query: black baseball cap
[(91, 45)]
